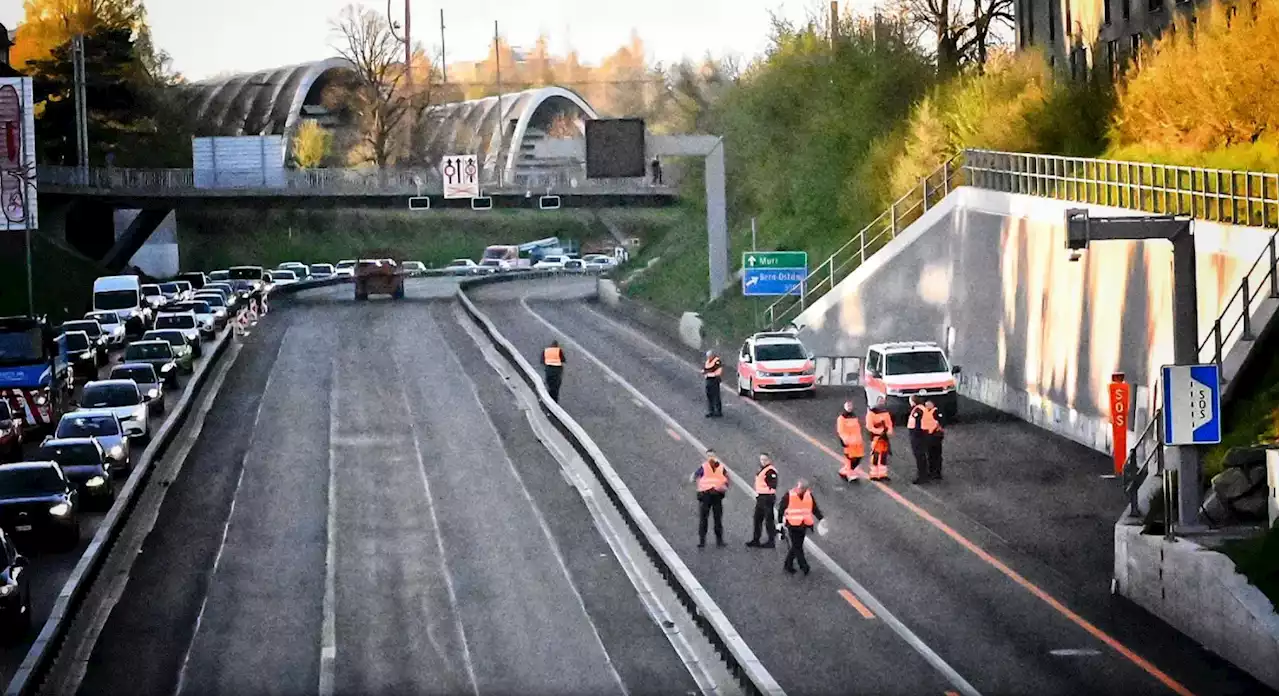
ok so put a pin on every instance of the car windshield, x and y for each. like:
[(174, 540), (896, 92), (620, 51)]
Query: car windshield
[(77, 341), (170, 288), (106, 317), (245, 273), (148, 351), (139, 374), (150, 290), (18, 347), (200, 307), (87, 426), (72, 454), (780, 351), (283, 275), (219, 275), (460, 262), (346, 264), (175, 321), (30, 482), (321, 268), (110, 395), (914, 363), (213, 300), (92, 328), (172, 337), (116, 299), (416, 265)]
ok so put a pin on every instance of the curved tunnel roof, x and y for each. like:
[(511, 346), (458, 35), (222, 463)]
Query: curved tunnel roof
[(267, 102)]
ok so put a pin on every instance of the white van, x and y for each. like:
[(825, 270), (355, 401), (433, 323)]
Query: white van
[(123, 295)]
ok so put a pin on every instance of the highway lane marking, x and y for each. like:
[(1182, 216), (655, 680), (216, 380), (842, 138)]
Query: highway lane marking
[(1017, 578), (328, 629), (1075, 652), (862, 608), (231, 511), (435, 527), (674, 435), (910, 638), (533, 506)]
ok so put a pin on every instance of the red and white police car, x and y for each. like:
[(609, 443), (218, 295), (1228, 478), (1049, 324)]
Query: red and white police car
[(775, 362)]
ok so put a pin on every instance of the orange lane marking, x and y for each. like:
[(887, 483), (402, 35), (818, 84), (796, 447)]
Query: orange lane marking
[(949, 693), (674, 435), (999, 565), (862, 609)]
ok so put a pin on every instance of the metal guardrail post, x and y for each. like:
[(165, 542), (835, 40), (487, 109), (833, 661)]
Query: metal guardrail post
[(1271, 269), (831, 271), (924, 194), (1246, 333), (1217, 343), (946, 178), (862, 248)]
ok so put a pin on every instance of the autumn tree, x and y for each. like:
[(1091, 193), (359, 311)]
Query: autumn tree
[(311, 144), (962, 32), (377, 92)]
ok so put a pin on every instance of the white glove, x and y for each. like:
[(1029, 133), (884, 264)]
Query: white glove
[(822, 527)]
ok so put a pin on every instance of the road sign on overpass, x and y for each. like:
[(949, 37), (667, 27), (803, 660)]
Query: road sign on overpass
[(1192, 404), (771, 273), (461, 176)]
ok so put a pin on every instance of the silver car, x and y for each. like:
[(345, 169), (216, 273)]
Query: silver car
[(113, 325), (186, 322), (123, 398), (103, 426), (148, 380)]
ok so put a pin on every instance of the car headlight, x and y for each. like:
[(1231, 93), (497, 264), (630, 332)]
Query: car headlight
[(96, 482), (116, 452), (166, 367), (60, 510), (42, 400), (153, 393), (8, 589)]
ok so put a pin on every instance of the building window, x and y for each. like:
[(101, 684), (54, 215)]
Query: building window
[(1113, 58), (1135, 48), (1155, 5), (1124, 9), (1053, 23)]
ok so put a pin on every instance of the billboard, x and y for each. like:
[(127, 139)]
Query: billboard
[(615, 148), (17, 154)]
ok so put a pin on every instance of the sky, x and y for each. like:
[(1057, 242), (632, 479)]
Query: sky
[(210, 38)]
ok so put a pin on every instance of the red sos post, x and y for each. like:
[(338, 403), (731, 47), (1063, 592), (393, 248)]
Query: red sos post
[(1118, 391)]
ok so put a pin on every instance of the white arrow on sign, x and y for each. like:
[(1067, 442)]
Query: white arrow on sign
[(751, 260)]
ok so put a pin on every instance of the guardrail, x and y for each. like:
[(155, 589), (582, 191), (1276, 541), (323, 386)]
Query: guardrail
[(738, 657), (880, 231), (44, 651), (1220, 195), (332, 181)]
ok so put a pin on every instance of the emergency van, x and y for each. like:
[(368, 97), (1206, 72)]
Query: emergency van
[(775, 361), (898, 371)]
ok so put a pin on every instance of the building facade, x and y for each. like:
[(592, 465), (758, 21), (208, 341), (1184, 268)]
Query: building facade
[(1076, 35)]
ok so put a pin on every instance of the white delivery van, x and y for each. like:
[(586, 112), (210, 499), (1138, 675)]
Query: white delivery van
[(122, 294)]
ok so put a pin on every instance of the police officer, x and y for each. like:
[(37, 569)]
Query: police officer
[(712, 479), (766, 487), (553, 368), (712, 369), (799, 513), (919, 440), (932, 420), (880, 425)]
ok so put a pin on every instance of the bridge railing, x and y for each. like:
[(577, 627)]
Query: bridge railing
[(333, 181), (1219, 195)]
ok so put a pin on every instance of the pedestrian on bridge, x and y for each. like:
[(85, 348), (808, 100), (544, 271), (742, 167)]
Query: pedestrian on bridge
[(712, 370), (799, 513), (553, 368), (849, 430), (712, 479), (766, 488)]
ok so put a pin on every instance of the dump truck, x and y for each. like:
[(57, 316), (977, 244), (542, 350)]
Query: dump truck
[(373, 277)]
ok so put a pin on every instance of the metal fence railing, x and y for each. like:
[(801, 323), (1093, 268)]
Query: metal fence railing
[(880, 231), (335, 181), (1219, 195)]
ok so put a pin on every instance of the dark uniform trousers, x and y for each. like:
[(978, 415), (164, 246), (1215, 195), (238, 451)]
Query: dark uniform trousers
[(933, 452), (713, 396), (763, 516), (920, 450), (553, 374), (795, 554), (710, 503)]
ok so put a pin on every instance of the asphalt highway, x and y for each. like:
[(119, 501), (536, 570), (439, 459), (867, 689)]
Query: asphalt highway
[(367, 512), (956, 605), (50, 567)]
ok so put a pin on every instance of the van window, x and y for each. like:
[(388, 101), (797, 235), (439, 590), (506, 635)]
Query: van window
[(873, 362), (915, 362), (115, 299)]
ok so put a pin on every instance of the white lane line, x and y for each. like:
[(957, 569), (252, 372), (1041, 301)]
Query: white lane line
[(435, 526), (328, 630), (949, 673), (537, 513), (226, 527)]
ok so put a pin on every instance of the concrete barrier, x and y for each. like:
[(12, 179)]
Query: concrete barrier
[(1198, 591), (685, 329)]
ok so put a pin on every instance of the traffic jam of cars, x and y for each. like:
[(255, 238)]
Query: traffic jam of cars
[(81, 400)]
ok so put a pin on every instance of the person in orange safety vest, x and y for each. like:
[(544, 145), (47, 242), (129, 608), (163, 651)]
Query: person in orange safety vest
[(799, 513), (766, 488), (712, 479), (553, 368), (880, 425), (712, 369), (849, 429)]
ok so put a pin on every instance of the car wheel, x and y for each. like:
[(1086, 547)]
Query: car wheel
[(751, 391), (741, 391)]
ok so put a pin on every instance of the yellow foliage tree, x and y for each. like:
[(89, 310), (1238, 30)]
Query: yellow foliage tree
[(47, 24), (311, 144), (1206, 85)]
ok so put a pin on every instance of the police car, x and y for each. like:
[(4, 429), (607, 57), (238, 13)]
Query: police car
[(775, 361), (898, 371)]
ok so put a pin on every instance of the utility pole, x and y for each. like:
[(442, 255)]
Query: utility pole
[(444, 64), (835, 21), (407, 40), (497, 71), (82, 110)]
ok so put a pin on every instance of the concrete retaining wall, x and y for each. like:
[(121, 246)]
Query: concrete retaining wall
[(685, 329), (158, 256), (987, 274), (1199, 592)]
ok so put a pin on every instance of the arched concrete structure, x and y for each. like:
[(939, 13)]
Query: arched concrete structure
[(267, 102)]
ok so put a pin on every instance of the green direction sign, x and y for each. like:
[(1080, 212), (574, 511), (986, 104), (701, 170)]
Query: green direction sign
[(775, 259)]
